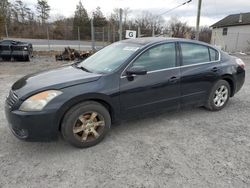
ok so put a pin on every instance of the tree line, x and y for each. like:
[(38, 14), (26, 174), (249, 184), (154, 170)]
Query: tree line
[(19, 20)]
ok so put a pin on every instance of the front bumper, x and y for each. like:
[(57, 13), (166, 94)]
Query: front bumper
[(20, 54), (32, 126)]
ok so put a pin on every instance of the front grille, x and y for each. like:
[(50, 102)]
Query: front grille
[(18, 48), (12, 99)]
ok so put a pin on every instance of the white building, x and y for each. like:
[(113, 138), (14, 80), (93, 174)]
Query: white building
[(232, 33)]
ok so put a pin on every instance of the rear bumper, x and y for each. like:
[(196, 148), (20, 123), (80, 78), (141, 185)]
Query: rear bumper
[(32, 126), (240, 79)]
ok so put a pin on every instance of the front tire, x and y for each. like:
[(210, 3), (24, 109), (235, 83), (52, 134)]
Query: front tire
[(219, 96), (27, 57), (86, 124)]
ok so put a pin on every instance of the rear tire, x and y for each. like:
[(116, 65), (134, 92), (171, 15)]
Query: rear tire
[(86, 124), (219, 96)]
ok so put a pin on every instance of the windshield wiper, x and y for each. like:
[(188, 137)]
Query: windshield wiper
[(84, 69), (81, 67)]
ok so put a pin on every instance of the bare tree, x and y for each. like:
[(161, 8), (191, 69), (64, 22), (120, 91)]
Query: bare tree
[(126, 12), (205, 34), (179, 29), (4, 14), (21, 10), (147, 21), (43, 10), (115, 15)]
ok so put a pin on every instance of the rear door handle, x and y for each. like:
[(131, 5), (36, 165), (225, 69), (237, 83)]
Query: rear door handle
[(214, 69), (173, 79)]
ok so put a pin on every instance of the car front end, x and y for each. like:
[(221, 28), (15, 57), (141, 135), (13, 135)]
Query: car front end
[(28, 120), (34, 106)]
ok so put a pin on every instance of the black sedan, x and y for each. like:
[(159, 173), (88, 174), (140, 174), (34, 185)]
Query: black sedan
[(125, 79), (15, 50)]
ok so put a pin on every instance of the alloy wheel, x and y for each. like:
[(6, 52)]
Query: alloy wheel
[(220, 96), (89, 126)]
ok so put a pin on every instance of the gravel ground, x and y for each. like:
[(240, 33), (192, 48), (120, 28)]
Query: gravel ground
[(188, 148)]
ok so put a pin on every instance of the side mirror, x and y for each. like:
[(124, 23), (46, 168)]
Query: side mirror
[(136, 70)]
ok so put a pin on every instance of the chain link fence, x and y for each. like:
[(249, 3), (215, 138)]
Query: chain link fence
[(51, 39)]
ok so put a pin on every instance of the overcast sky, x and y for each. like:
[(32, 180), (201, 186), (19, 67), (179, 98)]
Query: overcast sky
[(211, 11)]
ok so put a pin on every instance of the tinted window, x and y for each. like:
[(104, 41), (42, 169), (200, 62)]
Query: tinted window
[(214, 56), (160, 57), (6, 42), (194, 53)]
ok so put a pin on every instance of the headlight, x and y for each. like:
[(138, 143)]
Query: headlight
[(39, 101), (25, 48)]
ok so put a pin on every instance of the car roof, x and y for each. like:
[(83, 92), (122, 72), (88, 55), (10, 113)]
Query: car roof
[(10, 41), (152, 40)]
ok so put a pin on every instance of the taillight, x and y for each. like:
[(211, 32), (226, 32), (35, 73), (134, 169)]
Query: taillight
[(240, 63)]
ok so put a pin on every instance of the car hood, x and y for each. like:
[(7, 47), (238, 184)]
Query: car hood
[(53, 79)]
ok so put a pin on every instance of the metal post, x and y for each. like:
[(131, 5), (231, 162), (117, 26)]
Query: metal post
[(103, 36), (198, 20), (79, 48), (153, 32), (114, 33), (139, 31), (6, 30), (109, 33), (92, 35), (120, 25), (48, 37)]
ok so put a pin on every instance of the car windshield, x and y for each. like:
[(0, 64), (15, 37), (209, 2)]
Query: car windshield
[(109, 58)]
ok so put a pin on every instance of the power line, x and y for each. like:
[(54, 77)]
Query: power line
[(162, 9), (186, 2)]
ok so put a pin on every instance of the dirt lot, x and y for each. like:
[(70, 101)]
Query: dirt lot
[(189, 148)]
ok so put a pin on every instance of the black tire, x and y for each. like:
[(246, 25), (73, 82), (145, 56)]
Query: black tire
[(71, 119), (27, 58), (211, 104)]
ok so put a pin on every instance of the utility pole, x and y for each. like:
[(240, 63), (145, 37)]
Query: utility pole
[(92, 34), (198, 20), (120, 25)]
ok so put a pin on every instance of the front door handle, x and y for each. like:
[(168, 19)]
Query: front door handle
[(173, 79)]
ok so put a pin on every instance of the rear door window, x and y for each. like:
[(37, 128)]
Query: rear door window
[(214, 55), (194, 53)]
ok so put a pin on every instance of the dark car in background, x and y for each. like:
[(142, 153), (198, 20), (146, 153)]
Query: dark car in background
[(127, 78), (15, 50)]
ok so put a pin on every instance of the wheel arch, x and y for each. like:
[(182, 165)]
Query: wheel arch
[(100, 98), (231, 83)]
